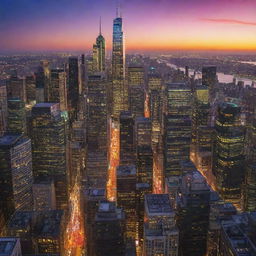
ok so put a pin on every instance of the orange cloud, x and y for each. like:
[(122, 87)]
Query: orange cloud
[(230, 21)]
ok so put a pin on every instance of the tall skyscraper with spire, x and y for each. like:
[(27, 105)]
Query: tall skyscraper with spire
[(120, 92), (99, 52)]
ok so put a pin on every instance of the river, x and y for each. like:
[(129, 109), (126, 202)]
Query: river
[(223, 78)]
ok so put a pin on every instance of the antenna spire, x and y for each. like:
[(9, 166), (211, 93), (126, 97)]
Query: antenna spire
[(117, 8), (100, 25)]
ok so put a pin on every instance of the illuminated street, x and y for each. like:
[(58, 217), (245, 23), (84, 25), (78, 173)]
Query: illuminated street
[(75, 236), (157, 174), (206, 172), (114, 154), (146, 107)]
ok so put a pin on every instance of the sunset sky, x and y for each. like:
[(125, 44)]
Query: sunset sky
[(148, 24)]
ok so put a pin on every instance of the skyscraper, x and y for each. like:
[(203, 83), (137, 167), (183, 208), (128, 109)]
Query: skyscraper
[(228, 158), (202, 133), (97, 113), (193, 209), (73, 85), (127, 138), (99, 53), (108, 230), (30, 89), (41, 95), (16, 88), (120, 92), (136, 90), (16, 176), (49, 147), (177, 127), (209, 78), (143, 130), (161, 236), (97, 126), (249, 191), (16, 116), (126, 197), (156, 110), (58, 88), (3, 109)]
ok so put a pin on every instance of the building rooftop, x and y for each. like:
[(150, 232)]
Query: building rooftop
[(142, 185), (21, 220), (45, 223), (48, 223), (194, 181), (44, 105), (43, 180), (158, 204), (108, 212), (96, 193), (126, 170), (143, 119), (7, 244), (241, 244), (43, 108), (9, 139), (178, 86)]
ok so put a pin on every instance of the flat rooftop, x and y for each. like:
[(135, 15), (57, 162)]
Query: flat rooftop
[(9, 139), (126, 170), (240, 243), (158, 204), (178, 86), (96, 192), (21, 220), (49, 223), (7, 245), (44, 105)]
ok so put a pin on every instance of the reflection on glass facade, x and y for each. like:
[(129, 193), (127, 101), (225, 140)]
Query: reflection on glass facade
[(49, 147), (178, 127), (16, 116), (228, 165), (120, 92), (16, 177)]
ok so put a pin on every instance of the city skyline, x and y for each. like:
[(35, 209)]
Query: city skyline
[(65, 26)]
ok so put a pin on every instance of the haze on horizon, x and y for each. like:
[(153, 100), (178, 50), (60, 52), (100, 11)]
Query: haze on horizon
[(149, 25)]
